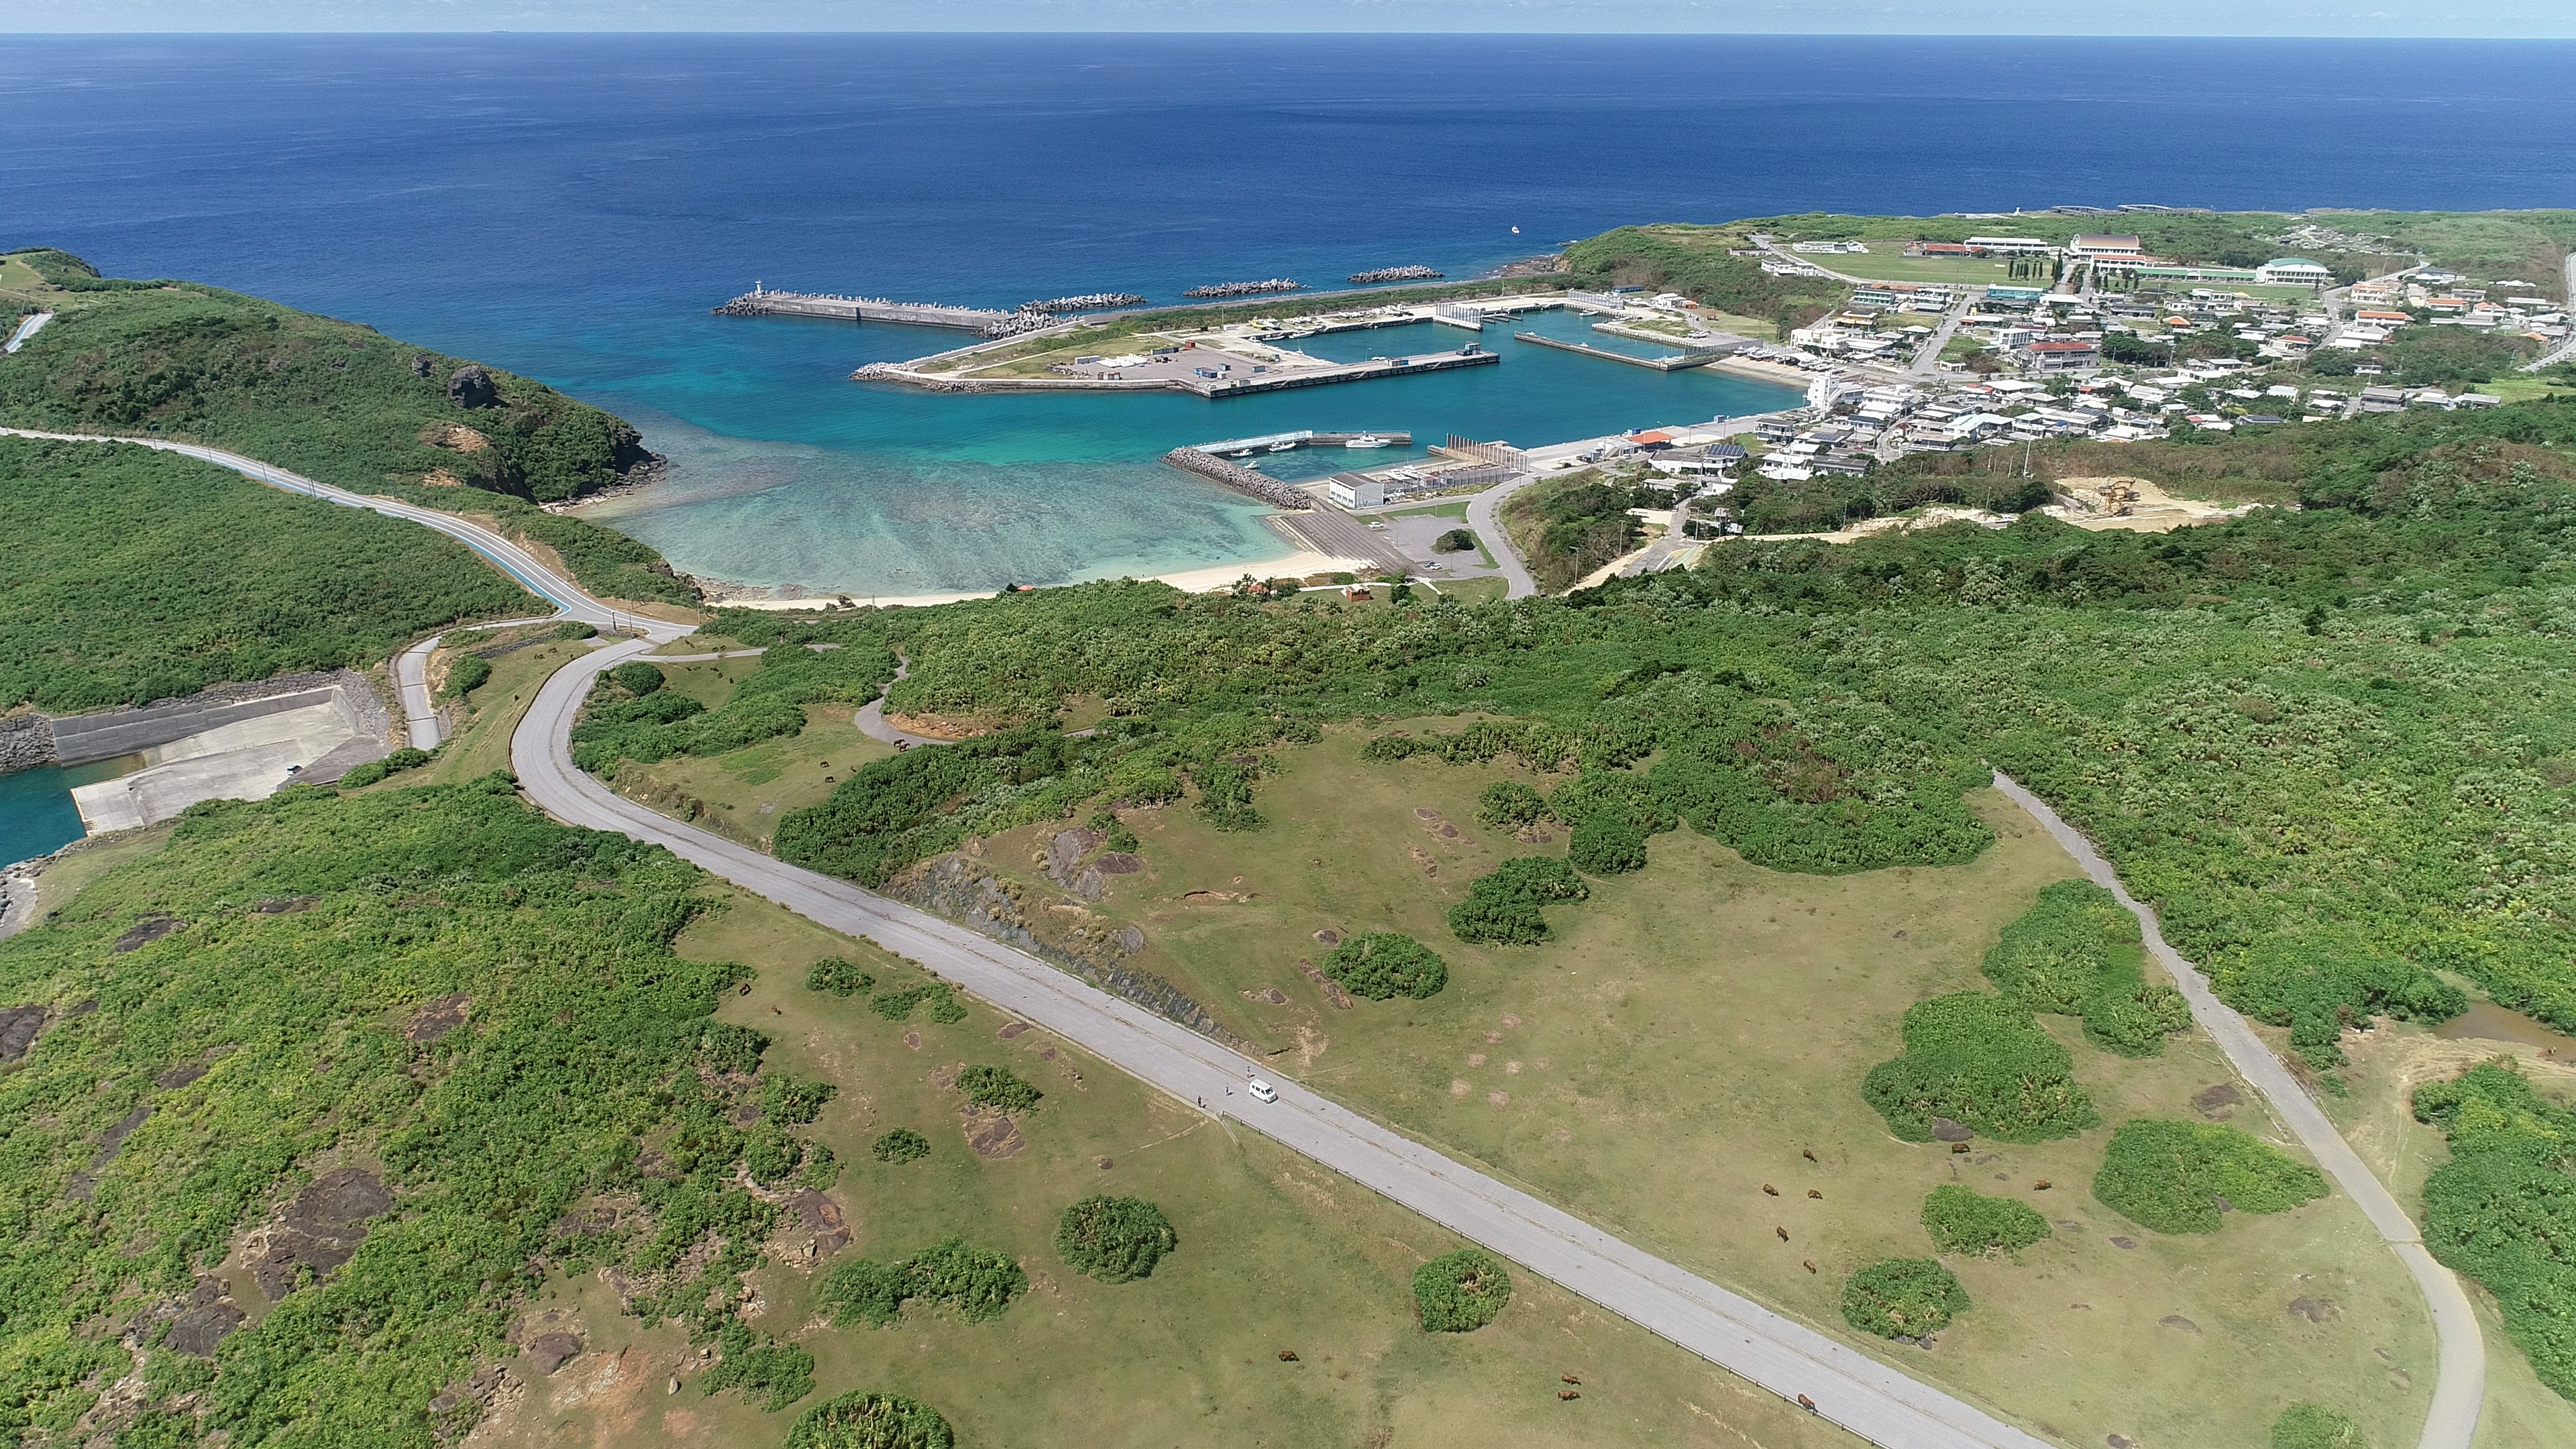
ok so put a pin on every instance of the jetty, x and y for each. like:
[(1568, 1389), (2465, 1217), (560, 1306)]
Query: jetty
[(1674, 363), (1398, 274), (1304, 438), (989, 321), (1211, 383)]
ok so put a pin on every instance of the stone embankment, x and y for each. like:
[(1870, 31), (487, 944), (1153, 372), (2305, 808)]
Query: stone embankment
[(1242, 480)]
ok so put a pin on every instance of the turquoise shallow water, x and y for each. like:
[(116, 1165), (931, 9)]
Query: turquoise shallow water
[(891, 491), (36, 812)]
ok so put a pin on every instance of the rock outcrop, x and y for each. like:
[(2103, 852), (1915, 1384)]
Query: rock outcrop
[(469, 386)]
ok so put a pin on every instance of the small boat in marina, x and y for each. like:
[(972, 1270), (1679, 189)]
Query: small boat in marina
[(1282, 447), (1369, 440)]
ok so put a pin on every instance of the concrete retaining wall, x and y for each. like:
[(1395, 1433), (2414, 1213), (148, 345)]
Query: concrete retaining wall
[(30, 741)]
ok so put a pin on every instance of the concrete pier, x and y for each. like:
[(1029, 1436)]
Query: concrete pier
[(1242, 480), (763, 303), (1247, 384), (1660, 364)]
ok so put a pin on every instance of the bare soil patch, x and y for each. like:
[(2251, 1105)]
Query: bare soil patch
[(992, 1135), (436, 1018)]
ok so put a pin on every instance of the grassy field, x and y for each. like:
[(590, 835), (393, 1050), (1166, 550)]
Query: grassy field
[(1274, 1255), (1698, 1025), (1887, 262), (480, 744)]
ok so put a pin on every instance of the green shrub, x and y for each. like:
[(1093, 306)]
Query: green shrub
[(1456, 540), (1114, 1239), (2503, 1209), (1982, 1062), (372, 771), (1460, 1292), (2053, 957), (726, 1047), (792, 1102), (898, 1004), (576, 629), (778, 1373), (998, 1088), (2179, 1177), (2314, 1426), (870, 1421), (2319, 985), (1503, 908), (1607, 845), (770, 1155), (1383, 965), (1962, 1221), (978, 1282), (637, 677), (1903, 1298), (837, 976), (469, 673), (900, 1145), (2132, 1018), (1509, 805)]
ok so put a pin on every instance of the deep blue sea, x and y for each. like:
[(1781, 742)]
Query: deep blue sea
[(570, 206)]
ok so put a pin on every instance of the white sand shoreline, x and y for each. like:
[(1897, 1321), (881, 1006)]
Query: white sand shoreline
[(1197, 580)]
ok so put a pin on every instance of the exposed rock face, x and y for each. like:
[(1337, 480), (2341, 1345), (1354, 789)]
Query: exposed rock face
[(18, 1028), (550, 1351), (469, 386), (1075, 939), (420, 364), (320, 1230), (198, 1330), (26, 742)]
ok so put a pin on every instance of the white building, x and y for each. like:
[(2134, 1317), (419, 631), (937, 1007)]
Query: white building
[(2293, 272), (1353, 491)]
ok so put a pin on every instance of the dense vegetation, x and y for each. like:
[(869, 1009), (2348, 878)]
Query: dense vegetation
[(2078, 952), (1460, 1292), (436, 980), (1982, 1062), (1564, 528), (136, 576), (1114, 1239), (978, 1282), (630, 716), (1695, 262), (1504, 906), (899, 1145), (1903, 1298), (335, 401), (2180, 1177), (1964, 1221), (2503, 1209), (1382, 966)]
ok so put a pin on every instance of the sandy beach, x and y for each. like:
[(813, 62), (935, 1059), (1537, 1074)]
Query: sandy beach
[(1199, 580)]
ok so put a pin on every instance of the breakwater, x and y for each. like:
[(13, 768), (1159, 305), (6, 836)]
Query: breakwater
[(991, 322), (1245, 289), (1087, 302), (1241, 480), (1398, 274), (1660, 364)]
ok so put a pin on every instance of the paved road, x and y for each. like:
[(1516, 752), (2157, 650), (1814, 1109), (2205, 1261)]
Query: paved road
[(2461, 1388), (1484, 519), (1848, 1387), (508, 557), (2567, 349), (411, 677), (27, 329)]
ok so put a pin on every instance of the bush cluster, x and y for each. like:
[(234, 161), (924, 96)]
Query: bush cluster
[(2503, 1209), (1903, 1298), (1460, 1292), (2179, 1177), (1982, 1062), (870, 1421), (998, 1088), (1114, 1239), (777, 1374), (900, 1145), (1502, 908), (2078, 952), (978, 1282), (373, 771), (839, 977), (1384, 965), (1964, 1221), (1604, 844), (897, 1003), (1509, 805), (2318, 986), (630, 716)]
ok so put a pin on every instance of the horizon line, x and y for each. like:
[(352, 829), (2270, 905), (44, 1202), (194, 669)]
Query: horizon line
[(1107, 32)]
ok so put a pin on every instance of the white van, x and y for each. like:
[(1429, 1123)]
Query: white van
[(1262, 1091)]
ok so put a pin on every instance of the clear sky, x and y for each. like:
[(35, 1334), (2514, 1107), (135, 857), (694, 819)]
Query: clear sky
[(2464, 19)]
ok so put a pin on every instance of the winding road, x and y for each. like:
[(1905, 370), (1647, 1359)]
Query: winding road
[(1842, 1384)]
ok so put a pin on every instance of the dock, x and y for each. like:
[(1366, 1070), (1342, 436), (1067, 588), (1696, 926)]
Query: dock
[(1245, 385), (1302, 438), (1674, 363)]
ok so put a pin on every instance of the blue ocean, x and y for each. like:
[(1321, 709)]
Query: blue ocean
[(570, 207)]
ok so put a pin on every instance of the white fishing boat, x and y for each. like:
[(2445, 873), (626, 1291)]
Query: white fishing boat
[(1282, 447), (1369, 440)]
